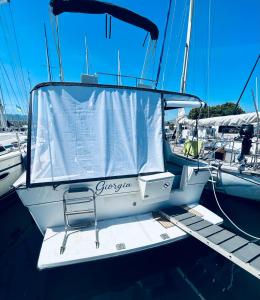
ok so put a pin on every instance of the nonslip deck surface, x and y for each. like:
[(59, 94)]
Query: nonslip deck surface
[(117, 237)]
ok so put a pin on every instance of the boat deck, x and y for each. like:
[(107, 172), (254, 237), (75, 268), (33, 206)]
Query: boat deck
[(249, 170), (117, 237)]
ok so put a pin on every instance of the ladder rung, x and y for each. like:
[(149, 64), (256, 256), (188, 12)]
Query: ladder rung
[(81, 189), (75, 201), (78, 212)]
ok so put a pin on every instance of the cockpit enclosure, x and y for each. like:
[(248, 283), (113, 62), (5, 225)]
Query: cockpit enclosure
[(80, 132)]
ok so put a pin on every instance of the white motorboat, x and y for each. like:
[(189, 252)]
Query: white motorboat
[(117, 171), (99, 168)]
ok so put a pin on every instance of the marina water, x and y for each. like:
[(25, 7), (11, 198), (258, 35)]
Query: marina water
[(183, 270)]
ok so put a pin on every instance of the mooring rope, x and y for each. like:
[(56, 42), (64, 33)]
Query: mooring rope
[(223, 212)]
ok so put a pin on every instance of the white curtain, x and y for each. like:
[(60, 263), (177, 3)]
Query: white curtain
[(81, 132)]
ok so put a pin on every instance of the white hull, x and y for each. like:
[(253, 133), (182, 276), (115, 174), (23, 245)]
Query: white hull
[(230, 182), (46, 206), (11, 169), (124, 216), (238, 185)]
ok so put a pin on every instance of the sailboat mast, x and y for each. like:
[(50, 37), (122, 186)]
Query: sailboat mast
[(2, 110), (61, 75), (47, 54), (181, 111), (187, 49), (86, 53), (119, 81)]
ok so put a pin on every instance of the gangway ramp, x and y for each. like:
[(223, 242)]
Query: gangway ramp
[(240, 251)]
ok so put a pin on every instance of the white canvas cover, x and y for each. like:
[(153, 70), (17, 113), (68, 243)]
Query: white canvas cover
[(82, 132), (232, 120)]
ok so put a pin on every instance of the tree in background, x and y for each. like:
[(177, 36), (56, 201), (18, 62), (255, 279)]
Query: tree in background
[(225, 109)]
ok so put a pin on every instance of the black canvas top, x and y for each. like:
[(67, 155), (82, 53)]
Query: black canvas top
[(101, 7)]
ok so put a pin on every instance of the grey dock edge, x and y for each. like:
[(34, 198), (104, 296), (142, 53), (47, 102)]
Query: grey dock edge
[(241, 252)]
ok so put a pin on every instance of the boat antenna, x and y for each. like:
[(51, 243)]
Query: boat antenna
[(251, 73), (119, 79), (163, 44), (187, 49), (86, 52), (61, 75), (47, 54)]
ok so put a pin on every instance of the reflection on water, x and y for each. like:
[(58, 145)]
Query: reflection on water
[(184, 270)]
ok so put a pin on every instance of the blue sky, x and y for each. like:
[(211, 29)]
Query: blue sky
[(217, 69)]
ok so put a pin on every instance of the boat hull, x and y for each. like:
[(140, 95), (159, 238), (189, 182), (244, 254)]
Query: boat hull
[(237, 185), (229, 181), (115, 198), (11, 168)]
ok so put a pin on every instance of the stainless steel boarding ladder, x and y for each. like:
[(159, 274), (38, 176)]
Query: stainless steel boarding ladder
[(68, 212)]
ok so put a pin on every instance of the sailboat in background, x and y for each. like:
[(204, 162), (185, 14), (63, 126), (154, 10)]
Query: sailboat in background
[(12, 151), (239, 178), (12, 138)]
